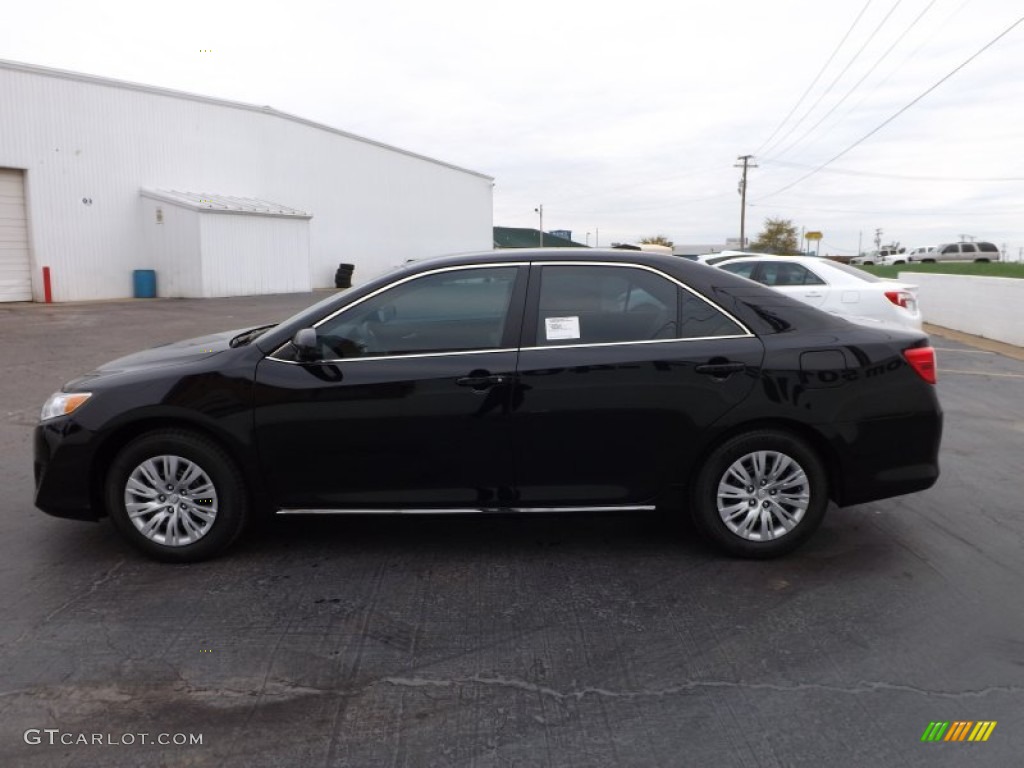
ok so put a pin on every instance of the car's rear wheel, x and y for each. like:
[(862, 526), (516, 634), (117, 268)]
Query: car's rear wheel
[(760, 494), (176, 496)]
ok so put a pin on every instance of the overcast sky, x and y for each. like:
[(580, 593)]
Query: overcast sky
[(621, 118)]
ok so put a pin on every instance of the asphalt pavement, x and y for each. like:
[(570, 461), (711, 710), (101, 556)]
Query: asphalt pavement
[(501, 641)]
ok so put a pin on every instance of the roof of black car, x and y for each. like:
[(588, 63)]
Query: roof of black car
[(557, 254)]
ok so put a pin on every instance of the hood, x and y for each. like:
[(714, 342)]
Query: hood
[(175, 353)]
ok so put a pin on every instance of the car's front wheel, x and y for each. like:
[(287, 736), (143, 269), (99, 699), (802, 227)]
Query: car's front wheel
[(176, 495), (760, 494)]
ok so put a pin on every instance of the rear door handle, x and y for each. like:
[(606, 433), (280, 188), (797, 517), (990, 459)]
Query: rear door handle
[(481, 382), (720, 369)]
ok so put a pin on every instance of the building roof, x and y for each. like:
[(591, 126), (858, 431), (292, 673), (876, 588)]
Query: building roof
[(217, 203), (524, 237), (18, 66)]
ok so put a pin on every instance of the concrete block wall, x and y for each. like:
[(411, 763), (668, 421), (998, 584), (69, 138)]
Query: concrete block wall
[(992, 307)]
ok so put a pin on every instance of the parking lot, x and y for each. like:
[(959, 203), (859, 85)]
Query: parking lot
[(498, 641)]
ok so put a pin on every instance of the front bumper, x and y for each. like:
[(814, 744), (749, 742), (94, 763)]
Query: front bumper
[(62, 465)]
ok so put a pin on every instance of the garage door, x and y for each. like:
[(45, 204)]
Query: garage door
[(15, 273)]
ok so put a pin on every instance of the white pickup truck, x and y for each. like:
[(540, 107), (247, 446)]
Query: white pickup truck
[(887, 254)]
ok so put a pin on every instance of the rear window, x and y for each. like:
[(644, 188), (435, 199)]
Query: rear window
[(860, 274), (987, 248)]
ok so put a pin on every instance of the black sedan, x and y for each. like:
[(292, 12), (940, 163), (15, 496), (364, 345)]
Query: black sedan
[(532, 380)]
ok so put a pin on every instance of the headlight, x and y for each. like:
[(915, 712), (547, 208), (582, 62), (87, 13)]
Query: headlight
[(63, 404)]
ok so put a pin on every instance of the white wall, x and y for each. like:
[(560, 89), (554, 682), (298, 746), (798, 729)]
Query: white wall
[(992, 307), (81, 137), (248, 255), (172, 248)]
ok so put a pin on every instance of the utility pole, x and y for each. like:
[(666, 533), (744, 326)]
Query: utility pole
[(745, 159), (540, 210), (878, 238)]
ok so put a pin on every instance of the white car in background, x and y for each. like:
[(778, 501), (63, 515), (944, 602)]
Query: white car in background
[(833, 287), (922, 253)]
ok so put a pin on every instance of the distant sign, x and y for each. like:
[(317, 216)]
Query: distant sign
[(813, 236), (563, 233)]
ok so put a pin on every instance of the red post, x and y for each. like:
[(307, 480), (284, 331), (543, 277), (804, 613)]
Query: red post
[(47, 293)]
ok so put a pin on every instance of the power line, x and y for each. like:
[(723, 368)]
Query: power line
[(845, 69), (866, 75), (899, 177), (891, 212), (899, 112), (878, 86), (814, 82)]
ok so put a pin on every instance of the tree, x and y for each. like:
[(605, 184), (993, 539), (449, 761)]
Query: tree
[(656, 240), (778, 237)]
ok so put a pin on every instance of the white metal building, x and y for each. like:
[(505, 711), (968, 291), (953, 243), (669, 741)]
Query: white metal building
[(99, 178)]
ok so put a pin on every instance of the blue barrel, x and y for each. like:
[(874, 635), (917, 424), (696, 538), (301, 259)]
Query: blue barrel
[(145, 283)]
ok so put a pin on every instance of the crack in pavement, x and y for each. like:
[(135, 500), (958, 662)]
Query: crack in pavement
[(690, 686), (103, 579)]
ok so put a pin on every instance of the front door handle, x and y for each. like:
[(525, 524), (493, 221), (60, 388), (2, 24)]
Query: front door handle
[(720, 370), (482, 381)]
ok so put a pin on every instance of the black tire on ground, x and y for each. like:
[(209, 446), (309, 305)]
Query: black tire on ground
[(187, 497), (779, 503), (343, 276)]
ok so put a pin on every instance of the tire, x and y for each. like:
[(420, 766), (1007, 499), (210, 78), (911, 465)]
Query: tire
[(774, 461), (154, 469)]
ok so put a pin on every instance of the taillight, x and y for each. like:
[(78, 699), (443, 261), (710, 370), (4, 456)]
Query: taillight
[(903, 299), (922, 360)]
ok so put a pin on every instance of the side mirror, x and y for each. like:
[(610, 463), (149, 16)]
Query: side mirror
[(306, 345)]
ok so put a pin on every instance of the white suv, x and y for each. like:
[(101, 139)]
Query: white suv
[(979, 251)]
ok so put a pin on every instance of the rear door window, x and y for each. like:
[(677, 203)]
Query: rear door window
[(594, 304), (743, 269)]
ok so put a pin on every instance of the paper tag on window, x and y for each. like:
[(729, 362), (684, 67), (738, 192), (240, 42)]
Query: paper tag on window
[(561, 328)]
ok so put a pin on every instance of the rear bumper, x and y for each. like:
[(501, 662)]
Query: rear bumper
[(887, 457)]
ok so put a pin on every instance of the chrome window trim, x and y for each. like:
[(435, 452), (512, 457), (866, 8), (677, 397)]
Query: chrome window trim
[(409, 356), (748, 334), (415, 355), (467, 510), (642, 341)]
